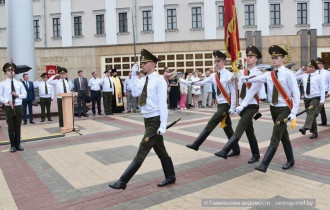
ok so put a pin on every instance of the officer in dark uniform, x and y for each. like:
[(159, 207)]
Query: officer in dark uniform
[(249, 106), (224, 107), (12, 92), (152, 90)]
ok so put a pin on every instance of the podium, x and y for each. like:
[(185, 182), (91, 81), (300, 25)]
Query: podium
[(67, 109)]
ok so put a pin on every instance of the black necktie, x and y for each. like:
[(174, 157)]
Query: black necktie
[(13, 90), (46, 89), (64, 87), (218, 90), (308, 88), (243, 90), (143, 98), (110, 83), (275, 91)]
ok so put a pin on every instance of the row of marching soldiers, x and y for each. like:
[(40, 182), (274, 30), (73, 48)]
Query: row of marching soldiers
[(283, 94)]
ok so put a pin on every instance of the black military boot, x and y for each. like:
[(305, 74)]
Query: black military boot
[(267, 158), (235, 150), (168, 171), (199, 141), (12, 142), (18, 141), (254, 149), (229, 145), (289, 156), (127, 175)]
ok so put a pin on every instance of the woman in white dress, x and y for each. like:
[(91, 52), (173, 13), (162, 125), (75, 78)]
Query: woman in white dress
[(196, 91)]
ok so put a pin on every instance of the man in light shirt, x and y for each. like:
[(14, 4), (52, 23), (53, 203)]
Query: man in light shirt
[(131, 101), (207, 90), (46, 93), (12, 92), (95, 89), (108, 91), (61, 86), (326, 77)]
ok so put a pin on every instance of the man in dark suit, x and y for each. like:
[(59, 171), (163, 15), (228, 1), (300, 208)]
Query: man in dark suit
[(81, 86), (29, 98)]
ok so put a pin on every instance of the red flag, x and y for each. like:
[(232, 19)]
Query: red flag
[(51, 70), (231, 32)]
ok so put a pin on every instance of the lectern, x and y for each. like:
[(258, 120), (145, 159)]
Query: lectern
[(67, 106)]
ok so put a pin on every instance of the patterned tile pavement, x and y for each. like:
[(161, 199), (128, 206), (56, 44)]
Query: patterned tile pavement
[(73, 172)]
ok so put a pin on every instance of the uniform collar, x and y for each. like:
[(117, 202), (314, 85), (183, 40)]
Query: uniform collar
[(282, 68), (222, 70), (153, 74)]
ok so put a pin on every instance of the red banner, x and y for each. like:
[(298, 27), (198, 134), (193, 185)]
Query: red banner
[(51, 70), (231, 32)]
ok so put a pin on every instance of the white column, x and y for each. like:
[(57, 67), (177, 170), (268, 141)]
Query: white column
[(20, 35), (158, 20), (111, 21), (263, 17), (66, 23), (315, 16), (210, 19)]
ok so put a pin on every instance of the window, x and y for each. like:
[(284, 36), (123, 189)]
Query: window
[(196, 17), (36, 29), (56, 27), (326, 12), (302, 13), (147, 21), (123, 22), (171, 19), (2, 1), (77, 26), (220, 13), (249, 15), (275, 14), (99, 24)]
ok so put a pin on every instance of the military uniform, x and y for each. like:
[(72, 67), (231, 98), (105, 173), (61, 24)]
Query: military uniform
[(13, 115), (223, 106), (62, 86), (46, 93), (249, 106), (151, 90), (279, 108), (325, 74), (314, 89)]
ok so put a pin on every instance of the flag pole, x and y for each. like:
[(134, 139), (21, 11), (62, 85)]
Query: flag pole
[(133, 24)]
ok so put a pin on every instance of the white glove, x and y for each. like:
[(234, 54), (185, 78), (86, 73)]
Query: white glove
[(161, 131), (244, 79), (239, 109), (291, 117), (232, 111), (135, 68)]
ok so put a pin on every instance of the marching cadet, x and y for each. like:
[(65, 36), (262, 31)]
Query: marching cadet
[(107, 92), (46, 93), (152, 90), (283, 94), (12, 92), (326, 77), (249, 106), (314, 95), (226, 99), (62, 86)]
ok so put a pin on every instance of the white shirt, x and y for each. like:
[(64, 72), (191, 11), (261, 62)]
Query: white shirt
[(227, 83), (59, 85), (128, 85), (317, 87), (326, 77), (42, 91), (156, 103), (106, 85), (6, 93), (26, 83), (94, 83), (288, 82), (249, 98)]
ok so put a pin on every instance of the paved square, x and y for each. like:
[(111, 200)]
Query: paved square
[(73, 172)]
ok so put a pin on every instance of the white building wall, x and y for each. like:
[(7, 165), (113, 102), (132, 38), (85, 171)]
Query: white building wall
[(66, 23)]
